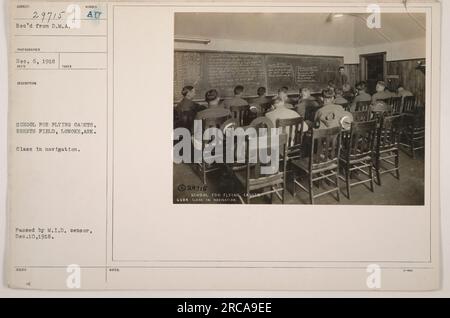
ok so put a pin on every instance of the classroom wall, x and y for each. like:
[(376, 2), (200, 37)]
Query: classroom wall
[(412, 79), (353, 72), (395, 51)]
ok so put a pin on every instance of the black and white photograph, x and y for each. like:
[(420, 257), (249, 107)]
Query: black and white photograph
[(299, 108), (227, 149)]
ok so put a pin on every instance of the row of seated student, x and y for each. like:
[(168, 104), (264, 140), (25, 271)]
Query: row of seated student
[(321, 111)]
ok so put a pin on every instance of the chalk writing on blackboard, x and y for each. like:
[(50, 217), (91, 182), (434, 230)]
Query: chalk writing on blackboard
[(306, 74), (280, 70)]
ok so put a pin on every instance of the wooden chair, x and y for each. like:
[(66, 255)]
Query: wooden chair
[(255, 181), (323, 162), (266, 107), (229, 123), (260, 122), (413, 134), (204, 167), (294, 130), (363, 106), (409, 104), (346, 106), (359, 116), (396, 103), (357, 153), (186, 119), (388, 100), (387, 147), (241, 114), (378, 116)]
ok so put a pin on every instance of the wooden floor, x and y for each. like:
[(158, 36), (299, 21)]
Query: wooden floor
[(222, 188)]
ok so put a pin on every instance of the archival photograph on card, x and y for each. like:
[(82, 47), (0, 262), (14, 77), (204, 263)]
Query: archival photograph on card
[(299, 108)]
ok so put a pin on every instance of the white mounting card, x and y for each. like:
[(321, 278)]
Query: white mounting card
[(101, 197)]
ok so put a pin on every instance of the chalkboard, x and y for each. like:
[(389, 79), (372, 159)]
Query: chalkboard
[(223, 71)]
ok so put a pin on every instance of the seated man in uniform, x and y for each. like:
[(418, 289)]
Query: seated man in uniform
[(382, 92), (362, 95), (331, 114), (307, 105), (331, 85), (262, 100), (348, 92), (283, 94), (215, 109), (237, 100), (280, 111), (339, 99), (187, 109)]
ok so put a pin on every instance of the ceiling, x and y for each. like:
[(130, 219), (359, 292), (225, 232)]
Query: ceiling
[(321, 29)]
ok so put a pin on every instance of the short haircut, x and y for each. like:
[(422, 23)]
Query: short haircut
[(381, 83), (186, 90), (261, 91), (331, 83), (327, 93), (283, 89), (338, 91), (341, 68), (238, 89), (305, 90), (361, 85), (211, 95), (400, 85)]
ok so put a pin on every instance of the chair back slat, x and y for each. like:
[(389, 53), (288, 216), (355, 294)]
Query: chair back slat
[(254, 160), (359, 142), (261, 122), (388, 132), (293, 128), (240, 113), (409, 104), (325, 147), (346, 106), (363, 106), (363, 115), (396, 103)]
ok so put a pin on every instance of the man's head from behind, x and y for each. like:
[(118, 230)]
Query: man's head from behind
[(261, 91), (238, 90), (328, 96), (188, 92), (212, 97), (283, 93), (361, 86), (331, 84)]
